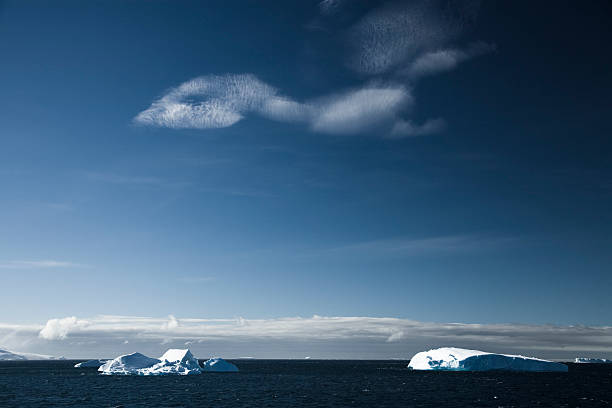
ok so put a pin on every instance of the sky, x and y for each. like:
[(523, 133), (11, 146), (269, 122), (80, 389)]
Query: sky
[(335, 179)]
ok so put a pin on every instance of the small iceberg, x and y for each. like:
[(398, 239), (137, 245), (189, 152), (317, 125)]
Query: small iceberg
[(90, 364), (458, 359), (219, 365), (586, 360)]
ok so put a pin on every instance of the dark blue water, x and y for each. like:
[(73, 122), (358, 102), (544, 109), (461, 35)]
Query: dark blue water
[(312, 383)]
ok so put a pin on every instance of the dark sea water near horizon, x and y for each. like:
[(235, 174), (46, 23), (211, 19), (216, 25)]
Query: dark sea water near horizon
[(303, 383)]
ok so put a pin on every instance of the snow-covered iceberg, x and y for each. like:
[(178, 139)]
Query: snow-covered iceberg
[(586, 360), (127, 364), (90, 364), (218, 364), (175, 361), (458, 359)]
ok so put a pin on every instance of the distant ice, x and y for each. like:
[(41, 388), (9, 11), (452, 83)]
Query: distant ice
[(219, 365), (593, 360), (7, 355), (90, 363), (15, 355), (458, 359)]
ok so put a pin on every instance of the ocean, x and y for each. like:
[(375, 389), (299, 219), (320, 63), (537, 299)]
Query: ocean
[(303, 383)]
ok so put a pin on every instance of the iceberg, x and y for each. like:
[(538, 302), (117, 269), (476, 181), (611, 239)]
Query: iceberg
[(586, 360), (458, 359), (175, 361), (90, 364), (128, 364), (218, 364)]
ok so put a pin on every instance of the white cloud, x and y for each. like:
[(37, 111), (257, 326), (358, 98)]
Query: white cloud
[(38, 264), (221, 101), (434, 62), (208, 102), (405, 128), (359, 110), (58, 329)]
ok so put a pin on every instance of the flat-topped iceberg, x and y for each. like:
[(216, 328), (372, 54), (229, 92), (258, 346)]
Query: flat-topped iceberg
[(90, 364), (218, 364), (586, 360), (458, 359)]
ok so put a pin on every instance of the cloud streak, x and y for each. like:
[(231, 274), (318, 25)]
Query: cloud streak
[(44, 264)]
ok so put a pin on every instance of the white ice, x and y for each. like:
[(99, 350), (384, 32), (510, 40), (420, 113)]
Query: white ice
[(174, 361), (90, 363), (458, 359), (593, 360), (16, 355), (128, 364), (218, 364)]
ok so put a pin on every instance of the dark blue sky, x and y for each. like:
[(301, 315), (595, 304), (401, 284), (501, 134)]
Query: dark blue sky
[(456, 169)]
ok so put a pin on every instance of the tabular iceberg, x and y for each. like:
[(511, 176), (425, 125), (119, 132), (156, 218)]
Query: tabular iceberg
[(458, 359), (219, 365), (90, 364), (586, 360)]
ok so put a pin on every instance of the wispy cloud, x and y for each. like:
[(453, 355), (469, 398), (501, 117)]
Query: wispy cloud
[(405, 128), (114, 178), (196, 279), (390, 36), (406, 246), (435, 62), (262, 336), (214, 101), (38, 264), (401, 40)]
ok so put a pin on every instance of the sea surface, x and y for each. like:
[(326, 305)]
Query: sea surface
[(303, 383)]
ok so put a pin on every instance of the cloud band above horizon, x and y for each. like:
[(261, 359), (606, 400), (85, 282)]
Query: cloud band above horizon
[(379, 337)]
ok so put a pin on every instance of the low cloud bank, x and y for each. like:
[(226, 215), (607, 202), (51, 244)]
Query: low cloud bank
[(290, 337)]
